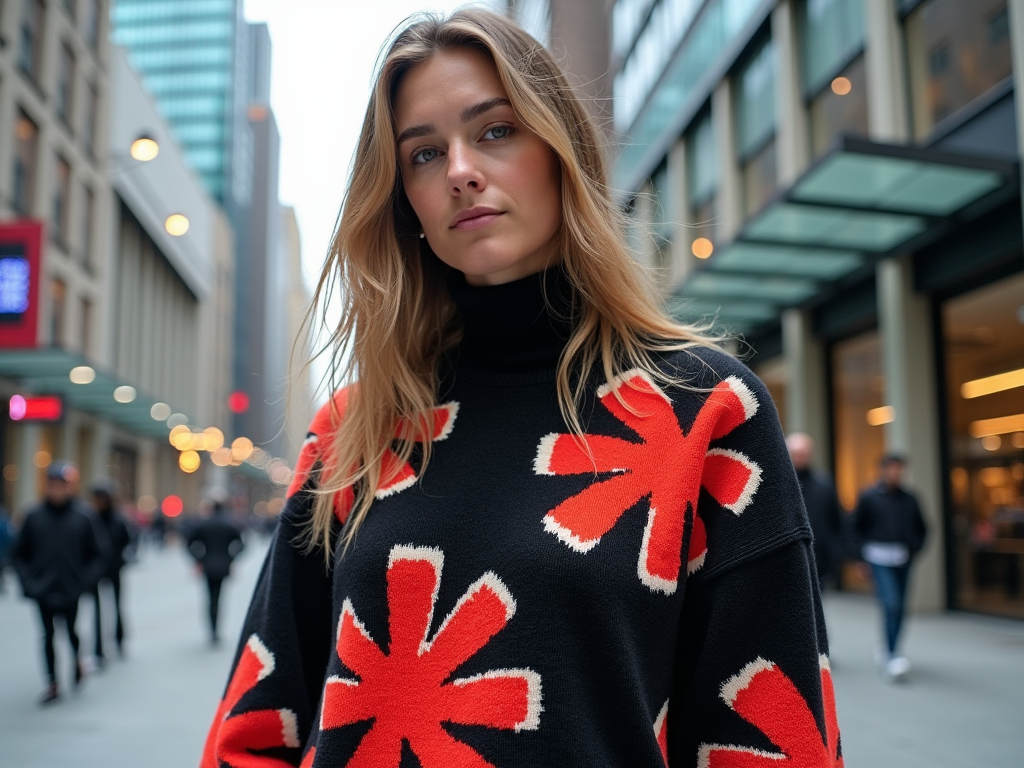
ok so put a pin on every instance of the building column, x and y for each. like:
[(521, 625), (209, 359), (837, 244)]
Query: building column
[(100, 449), (792, 140), (147, 483), (885, 66), (806, 384), (730, 187), (908, 363)]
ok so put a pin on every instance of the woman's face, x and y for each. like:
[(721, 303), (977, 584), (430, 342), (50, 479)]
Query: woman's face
[(485, 188)]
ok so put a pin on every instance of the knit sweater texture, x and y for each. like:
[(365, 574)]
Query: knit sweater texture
[(645, 599)]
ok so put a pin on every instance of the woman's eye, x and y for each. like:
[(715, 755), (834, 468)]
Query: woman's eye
[(424, 156), (498, 132)]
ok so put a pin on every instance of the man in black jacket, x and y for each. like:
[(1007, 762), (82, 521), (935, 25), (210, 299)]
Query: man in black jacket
[(822, 506), (118, 539), (58, 558), (892, 531), (214, 543)]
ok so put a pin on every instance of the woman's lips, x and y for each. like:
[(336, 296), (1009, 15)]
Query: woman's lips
[(477, 222)]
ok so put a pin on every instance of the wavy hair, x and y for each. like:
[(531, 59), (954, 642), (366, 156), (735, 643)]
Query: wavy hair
[(397, 318)]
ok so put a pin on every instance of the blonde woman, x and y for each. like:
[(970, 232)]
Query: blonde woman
[(545, 525)]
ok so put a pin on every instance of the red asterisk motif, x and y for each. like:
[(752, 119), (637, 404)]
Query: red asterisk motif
[(766, 698), (405, 691), (233, 738), (661, 731), (395, 475), (668, 465)]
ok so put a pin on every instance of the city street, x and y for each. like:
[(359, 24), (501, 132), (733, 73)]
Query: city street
[(960, 709)]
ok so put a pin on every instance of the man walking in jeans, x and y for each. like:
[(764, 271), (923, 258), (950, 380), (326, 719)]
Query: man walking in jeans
[(892, 531)]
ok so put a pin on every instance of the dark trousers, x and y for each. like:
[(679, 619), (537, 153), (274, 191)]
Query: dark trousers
[(48, 614), (891, 588), (115, 583), (213, 583)]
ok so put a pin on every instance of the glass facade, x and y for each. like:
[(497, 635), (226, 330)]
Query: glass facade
[(840, 109), (983, 345), (755, 127), (832, 33), (61, 200), (65, 84), (702, 181), (186, 52), (26, 141), (956, 51), (30, 53), (675, 50)]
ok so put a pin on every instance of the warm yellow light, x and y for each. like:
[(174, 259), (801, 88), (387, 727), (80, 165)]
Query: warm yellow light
[(82, 374), (189, 461), (176, 434), (990, 384), (878, 416), (25, 129), (221, 457), (214, 438), (176, 224), (11, 472), (702, 248), (991, 442), (241, 448), (146, 503), (160, 411), (42, 459), (144, 149), (124, 394), (1000, 426), (275, 505), (841, 86), (1017, 440)]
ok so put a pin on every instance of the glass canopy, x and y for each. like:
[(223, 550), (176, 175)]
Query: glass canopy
[(860, 203), (48, 371)]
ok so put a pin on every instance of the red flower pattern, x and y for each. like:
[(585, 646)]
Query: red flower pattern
[(233, 738), (661, 731), (395, 474), (668, 466), (404, 690), (766, 698)]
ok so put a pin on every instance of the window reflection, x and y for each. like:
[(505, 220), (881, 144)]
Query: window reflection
[(840, 109), (956, 51)]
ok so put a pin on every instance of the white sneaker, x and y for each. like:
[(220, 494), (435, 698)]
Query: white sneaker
[(896, 668)]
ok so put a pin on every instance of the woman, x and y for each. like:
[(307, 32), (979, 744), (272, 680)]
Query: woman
[(548, 526)]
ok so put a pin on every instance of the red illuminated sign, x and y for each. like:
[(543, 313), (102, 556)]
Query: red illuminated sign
[(46, 408), (172, 505), (20, 244), (238, 402)]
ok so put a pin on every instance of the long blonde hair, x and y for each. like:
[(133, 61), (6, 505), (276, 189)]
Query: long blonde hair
[(398, 319)]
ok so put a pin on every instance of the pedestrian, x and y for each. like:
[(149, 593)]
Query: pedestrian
[(120, 543), (214, 543), (58, 558), (549, 525), (892, 531), (822, 503), (6, 541)]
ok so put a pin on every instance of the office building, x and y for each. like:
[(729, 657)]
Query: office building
[(838, 182)]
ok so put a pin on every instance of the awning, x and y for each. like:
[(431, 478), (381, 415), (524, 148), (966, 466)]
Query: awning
[(47, 372), (859, 203)]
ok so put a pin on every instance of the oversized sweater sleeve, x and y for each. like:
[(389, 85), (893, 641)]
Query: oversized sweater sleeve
[(752, 685), (270, 704)]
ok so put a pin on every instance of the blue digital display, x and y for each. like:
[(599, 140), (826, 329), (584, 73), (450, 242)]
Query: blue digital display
[(14, 285)]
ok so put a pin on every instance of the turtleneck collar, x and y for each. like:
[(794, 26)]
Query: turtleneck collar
[(515, 328)]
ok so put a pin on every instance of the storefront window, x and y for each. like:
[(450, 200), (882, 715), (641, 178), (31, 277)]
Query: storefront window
[(858, 416), (840, 108), (983, 337), (956, 51), (832, 34)]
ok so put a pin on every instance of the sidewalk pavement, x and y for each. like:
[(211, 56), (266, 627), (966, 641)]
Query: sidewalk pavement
[(963, 706)]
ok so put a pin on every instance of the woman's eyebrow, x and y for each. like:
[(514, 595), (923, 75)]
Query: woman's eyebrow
[(468, 114)]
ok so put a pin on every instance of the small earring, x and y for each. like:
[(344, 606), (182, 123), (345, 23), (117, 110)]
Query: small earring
[(423, 236)]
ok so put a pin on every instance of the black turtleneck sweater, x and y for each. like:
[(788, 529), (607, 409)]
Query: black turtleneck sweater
[(526, 602)]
